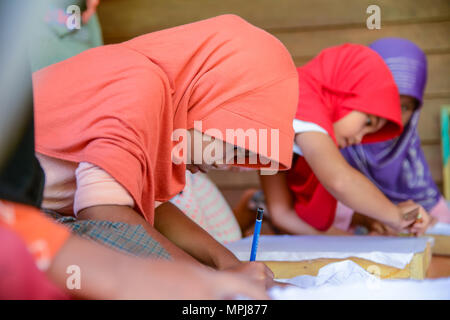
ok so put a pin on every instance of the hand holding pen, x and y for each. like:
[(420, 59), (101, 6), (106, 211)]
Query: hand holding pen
[(415, 218)]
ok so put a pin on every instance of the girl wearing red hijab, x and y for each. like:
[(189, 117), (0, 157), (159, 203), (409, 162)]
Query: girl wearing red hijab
[(106, 118), (347, 96)]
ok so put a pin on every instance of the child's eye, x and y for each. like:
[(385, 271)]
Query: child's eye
[(407, 107), (368, 121)]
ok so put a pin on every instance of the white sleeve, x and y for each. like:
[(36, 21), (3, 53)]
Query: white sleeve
[(305, 126), (96, 187)]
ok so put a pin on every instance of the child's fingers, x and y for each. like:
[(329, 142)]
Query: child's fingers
[(377, 227), (419, 228), (406, 224), (269, 272), (240, 286)]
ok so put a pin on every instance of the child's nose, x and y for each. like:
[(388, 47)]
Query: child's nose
[(358, 138)]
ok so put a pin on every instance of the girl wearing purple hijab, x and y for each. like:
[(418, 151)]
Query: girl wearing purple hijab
[(398, 166)]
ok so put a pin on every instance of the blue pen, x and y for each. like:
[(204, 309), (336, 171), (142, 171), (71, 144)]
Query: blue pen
[(258, 223)]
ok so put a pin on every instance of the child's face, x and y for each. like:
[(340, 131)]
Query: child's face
[(351, 129), (209, 158), (409, 105)]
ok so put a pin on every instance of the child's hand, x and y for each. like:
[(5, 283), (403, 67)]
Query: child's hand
[(185, 281), (333, 231), (109, 274), (416, 224), (257, 271), (226, 285)]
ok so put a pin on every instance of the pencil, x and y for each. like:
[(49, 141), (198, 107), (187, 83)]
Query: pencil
[(259, 217)]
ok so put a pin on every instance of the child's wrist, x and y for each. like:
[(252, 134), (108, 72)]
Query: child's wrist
[(225, 261), (394, 218)]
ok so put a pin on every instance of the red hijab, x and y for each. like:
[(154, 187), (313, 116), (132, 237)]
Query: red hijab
[(337, 81), (117, 106)]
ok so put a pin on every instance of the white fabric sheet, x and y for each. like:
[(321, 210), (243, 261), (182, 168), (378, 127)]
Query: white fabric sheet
[(392, 251), (347, 280), (440, 228)]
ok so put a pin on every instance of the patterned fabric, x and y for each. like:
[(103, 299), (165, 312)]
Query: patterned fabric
[(130, 239), (204, 204)]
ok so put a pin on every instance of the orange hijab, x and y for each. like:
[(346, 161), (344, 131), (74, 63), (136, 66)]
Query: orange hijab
[(117, 106)]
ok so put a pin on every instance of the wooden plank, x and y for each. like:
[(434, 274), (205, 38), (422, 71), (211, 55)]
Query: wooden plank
[(429, 129), (441, 244), (438, 71), (438, 74), (434, 160), (431, 37), (227, 179), (123, 19)]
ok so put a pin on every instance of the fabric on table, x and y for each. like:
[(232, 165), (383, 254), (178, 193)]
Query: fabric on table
[(392, 251), (347, 280), (440, 228)]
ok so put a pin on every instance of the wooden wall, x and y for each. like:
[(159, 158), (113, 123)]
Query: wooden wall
[(306, 27)]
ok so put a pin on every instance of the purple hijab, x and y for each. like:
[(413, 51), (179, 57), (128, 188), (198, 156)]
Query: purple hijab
[(398, 166)]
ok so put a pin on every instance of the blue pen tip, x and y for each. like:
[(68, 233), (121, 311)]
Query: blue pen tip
[(260, 213)]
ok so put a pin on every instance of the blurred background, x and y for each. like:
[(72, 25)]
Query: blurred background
[(306, 27)]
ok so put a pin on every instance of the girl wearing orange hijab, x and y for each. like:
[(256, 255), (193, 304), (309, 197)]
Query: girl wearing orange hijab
[(347, 96), (106, 118)]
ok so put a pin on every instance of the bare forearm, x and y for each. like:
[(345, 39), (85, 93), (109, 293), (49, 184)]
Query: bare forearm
[(344, 182), (360, 194), (107, 274), (279, 202), (289, 222), (190, 237), (90, 278)]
